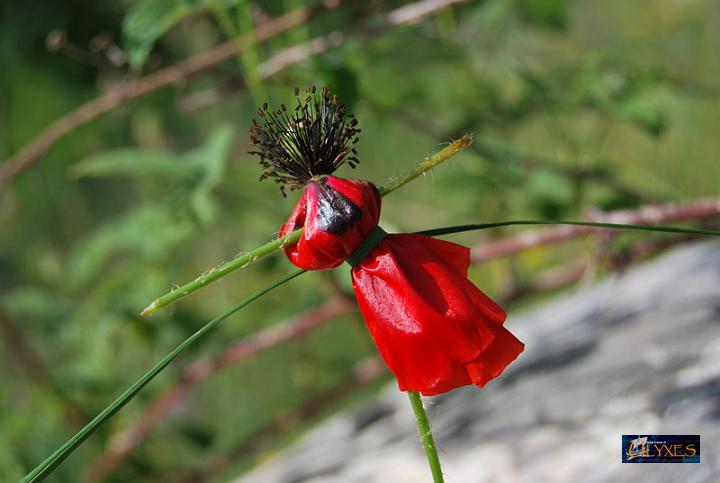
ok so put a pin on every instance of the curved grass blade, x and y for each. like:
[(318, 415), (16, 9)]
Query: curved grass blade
[(613, 226), (46, 467)]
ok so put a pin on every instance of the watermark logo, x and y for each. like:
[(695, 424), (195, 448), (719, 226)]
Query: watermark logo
[(661, 448)]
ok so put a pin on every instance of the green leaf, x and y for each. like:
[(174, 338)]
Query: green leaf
[(194, 176), (544, 13), (342, 79), (212, 156), (490, 15), (44, 469), (550, 194), (146, 21), (133, 162), (210, 160), (150, 231), (607, 198), (36, 302), (644, 115)]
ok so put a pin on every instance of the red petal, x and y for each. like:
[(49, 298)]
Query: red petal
[(434, 328), (317, 248)]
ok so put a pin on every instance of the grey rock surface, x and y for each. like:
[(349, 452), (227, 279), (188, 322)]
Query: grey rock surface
[(635, 353)]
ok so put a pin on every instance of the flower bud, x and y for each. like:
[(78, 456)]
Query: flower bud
[(337, 215)]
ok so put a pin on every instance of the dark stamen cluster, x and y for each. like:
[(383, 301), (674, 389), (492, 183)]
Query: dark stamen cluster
[(312, 140)]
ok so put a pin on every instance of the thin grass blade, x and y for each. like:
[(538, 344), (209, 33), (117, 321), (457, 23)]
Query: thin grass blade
[(613, 226), (44, 469)]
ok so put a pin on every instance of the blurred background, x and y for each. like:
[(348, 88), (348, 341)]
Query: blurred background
[(123, 130)]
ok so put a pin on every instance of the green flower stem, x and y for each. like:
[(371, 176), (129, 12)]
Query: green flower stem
[(278, 244), (613, 226), (222, 270), (426, 436), (429, 163), (44, 469)]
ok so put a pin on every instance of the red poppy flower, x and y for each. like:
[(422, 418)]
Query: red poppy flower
[(435, 330)]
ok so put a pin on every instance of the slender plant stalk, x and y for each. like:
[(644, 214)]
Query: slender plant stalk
[(44, 469), (426, 436), (278, 244), (429, 163), (222, 270), (613, 226)]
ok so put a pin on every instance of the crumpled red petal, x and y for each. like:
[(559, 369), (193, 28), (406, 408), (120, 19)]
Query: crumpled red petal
[(435, 330)]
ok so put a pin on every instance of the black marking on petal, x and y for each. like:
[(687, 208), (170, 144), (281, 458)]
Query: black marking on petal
[(311, 140), (336, 213)]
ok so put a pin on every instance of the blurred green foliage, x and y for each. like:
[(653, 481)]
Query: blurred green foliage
[(574, 105)]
